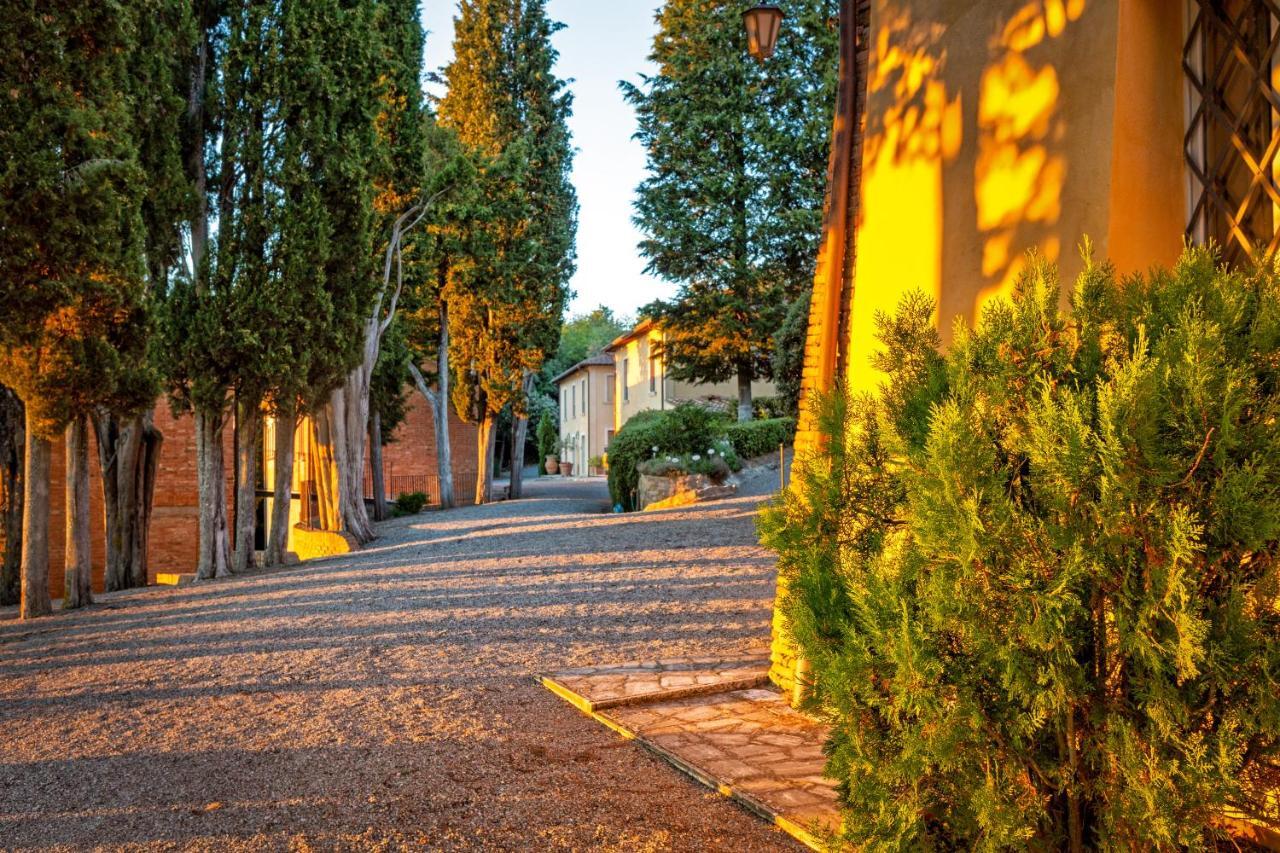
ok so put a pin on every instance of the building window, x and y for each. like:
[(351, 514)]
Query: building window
[(564, 404), (573, 393), (653, 374), (626, 379), (608, 387), (584, 396), (1233, 141)]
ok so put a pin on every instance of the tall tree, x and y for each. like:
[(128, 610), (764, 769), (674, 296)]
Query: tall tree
[(12, 441), (127, 440), (505, 102), (70, 248), (398, 202), (732, 205)]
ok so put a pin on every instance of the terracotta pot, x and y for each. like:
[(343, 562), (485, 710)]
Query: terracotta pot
[(566, 469), (552, 465)]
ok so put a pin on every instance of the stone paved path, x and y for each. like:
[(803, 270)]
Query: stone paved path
[(384, 700)]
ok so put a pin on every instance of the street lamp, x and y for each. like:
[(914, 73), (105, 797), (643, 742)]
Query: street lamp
[(763, 24)]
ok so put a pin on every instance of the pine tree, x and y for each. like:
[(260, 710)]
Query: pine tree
[(1035, 576), (733, 202), (506, 104)]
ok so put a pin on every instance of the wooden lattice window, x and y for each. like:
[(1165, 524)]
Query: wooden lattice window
[(1233, 133)]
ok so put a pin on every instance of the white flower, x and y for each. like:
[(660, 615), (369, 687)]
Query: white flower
[(655, 448), (696, 458), (711, 452)]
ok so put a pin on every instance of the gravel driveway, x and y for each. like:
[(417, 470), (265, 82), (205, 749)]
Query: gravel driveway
[(385, 700)]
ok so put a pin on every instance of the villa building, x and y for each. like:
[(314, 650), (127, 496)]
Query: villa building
[(643, 382), (968, 134), (586, 411), (599, 395)]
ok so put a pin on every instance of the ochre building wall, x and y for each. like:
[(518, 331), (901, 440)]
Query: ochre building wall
[(998, 128), (990, 130)]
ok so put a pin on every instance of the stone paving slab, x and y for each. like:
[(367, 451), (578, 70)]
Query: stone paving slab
[(596, 688), (748, 744)]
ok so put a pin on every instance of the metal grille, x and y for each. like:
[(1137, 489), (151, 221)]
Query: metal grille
[(1232, 144)]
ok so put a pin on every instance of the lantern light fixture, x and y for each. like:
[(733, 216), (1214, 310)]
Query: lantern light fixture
[(763, 23)]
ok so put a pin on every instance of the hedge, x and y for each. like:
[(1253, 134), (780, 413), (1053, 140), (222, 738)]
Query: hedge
[(688, 428), (758, 438)]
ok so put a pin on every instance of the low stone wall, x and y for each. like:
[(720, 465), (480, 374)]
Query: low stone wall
[(667, 492)]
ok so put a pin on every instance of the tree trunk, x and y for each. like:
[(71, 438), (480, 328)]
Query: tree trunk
[(520, 435), (12, 456), (282, 502), (350, 406), (248, 417), (484, 459), (440, 408), (77, 559), (128, 456), (326, 475), (214, 560), (745, 377), (375, 465), (35, 526)]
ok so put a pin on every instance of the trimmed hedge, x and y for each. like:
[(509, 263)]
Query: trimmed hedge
[(757, 438), (688, 428)]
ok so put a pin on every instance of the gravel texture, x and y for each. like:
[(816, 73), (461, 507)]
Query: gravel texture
[(384, 700)]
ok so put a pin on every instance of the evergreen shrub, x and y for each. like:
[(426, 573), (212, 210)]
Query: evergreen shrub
[(757, 438), (1036, 576), (411, 503), (686, 429)]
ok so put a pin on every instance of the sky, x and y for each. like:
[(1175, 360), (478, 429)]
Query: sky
[(605, 41)]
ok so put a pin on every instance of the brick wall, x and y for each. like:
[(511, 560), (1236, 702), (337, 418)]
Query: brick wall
[(175, 518), (412, 453)]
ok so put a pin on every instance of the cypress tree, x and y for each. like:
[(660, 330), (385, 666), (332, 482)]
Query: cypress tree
[(505, 103), (732, 205), (71, 250)]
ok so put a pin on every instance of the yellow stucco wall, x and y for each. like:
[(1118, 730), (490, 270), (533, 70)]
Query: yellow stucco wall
[(994, 128), (635, 392), (586, 415), (989, 132)]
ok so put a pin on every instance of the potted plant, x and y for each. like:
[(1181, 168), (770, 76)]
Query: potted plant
[(566, 449), (549, 442), (596, 464)]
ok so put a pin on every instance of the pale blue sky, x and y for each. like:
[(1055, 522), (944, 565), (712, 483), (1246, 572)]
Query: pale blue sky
[(605, 41)]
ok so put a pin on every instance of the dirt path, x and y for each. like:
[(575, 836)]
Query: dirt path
[(385, 700)]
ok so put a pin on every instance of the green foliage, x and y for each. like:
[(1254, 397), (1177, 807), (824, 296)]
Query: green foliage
[(388, 391), (686, 429), (767, 408), (711, 465), (737, 155), (758, 438), (411, 503), (73, 237), (548, 436), (510, 112), (1036, 576), (788, 354)]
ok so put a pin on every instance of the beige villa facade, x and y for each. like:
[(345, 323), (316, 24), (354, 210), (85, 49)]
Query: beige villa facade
[(969, 134), (599, 395), (643, 383), (586, 411)]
